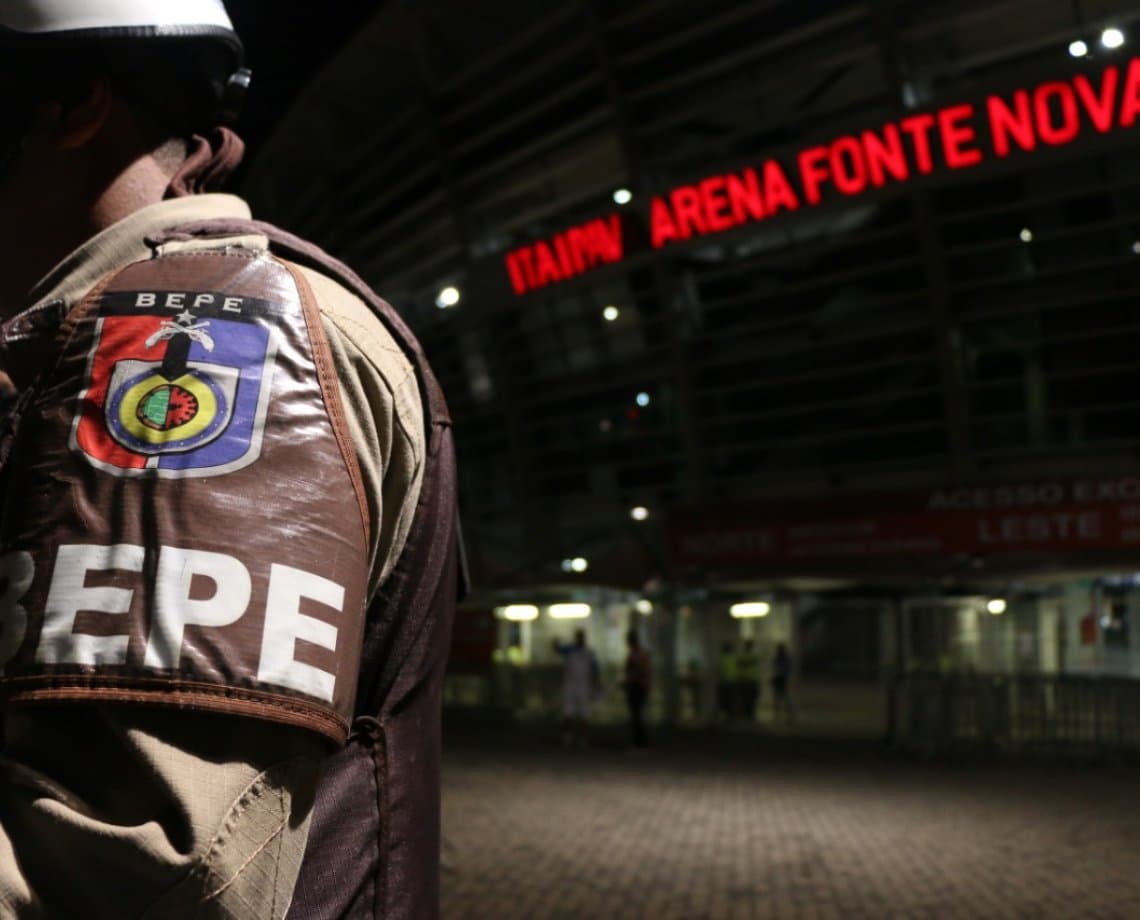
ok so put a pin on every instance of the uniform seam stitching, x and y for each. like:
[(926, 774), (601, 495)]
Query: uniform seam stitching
[(120, 688), (331, 395)]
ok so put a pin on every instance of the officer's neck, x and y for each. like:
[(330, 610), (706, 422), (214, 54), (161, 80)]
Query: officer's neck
[(51, 219), (141, 184)]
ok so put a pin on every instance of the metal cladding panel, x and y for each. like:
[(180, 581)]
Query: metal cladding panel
[(970, 323)]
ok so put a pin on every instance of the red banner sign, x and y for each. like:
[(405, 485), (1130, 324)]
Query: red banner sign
[(1053, 114), (1050, 517)]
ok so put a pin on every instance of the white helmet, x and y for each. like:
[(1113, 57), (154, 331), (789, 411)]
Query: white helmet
[(76, 15), (59, 25)]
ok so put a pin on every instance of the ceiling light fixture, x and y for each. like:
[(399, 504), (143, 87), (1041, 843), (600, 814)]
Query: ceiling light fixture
[(1112, 38), (517, 613), (569, 611), (447, 298)]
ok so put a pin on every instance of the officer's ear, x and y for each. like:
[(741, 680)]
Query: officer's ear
[(72, 123)]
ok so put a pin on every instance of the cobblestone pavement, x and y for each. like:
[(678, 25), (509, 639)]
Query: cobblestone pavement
[(535, 831)]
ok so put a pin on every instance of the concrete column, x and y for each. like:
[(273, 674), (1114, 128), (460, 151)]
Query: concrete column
[(793, 633), (998, 637), (1134, 634), (1074, 656), (905, 650), (707, 617), (1099, 657), (1048, 651), (665, 649), (888, 662), (888, 639)]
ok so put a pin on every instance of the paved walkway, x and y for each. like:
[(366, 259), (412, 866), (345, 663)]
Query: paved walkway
[(811, 832)]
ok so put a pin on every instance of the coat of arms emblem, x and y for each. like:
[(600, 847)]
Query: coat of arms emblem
[(180, 397)]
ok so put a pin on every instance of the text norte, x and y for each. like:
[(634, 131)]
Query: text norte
[(961, 136)]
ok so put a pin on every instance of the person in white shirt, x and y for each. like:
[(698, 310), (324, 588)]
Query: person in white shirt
[(580, 684)]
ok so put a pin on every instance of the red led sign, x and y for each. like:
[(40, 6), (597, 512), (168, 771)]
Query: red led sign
[(961, 136), (567, 254)]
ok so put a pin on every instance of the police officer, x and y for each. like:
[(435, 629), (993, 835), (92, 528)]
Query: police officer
[(228, 541)]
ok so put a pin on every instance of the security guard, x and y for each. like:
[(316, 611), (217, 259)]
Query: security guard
[(748, 679), (726, 687), (228, 546)]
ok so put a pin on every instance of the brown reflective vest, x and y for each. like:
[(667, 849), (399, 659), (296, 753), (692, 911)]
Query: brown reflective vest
[(374, 845)]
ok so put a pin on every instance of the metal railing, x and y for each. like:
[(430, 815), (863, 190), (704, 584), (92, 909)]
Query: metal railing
[(943, 713)]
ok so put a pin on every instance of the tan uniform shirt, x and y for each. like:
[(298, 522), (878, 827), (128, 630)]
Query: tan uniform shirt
[(132, 812)]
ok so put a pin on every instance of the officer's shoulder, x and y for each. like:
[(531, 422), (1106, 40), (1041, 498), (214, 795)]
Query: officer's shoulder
[(347, 319), (351, 317)]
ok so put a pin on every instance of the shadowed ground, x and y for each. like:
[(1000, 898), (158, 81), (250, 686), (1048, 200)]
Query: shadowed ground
[(717, 826)]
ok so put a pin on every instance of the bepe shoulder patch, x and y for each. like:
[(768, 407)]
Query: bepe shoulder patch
[(183, 520)]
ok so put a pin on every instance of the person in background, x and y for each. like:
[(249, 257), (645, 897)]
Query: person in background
[(726, 682), (691, 681), (637, 678), (580, 683), (781, 674), (748, 680)]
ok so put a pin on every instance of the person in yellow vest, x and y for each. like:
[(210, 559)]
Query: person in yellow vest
[(748, 680), (726, 681)]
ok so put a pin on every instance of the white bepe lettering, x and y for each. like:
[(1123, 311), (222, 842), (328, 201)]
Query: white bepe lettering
[(69, 594), (285, 624), (17, 571), (174, 608), (180, 300)]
